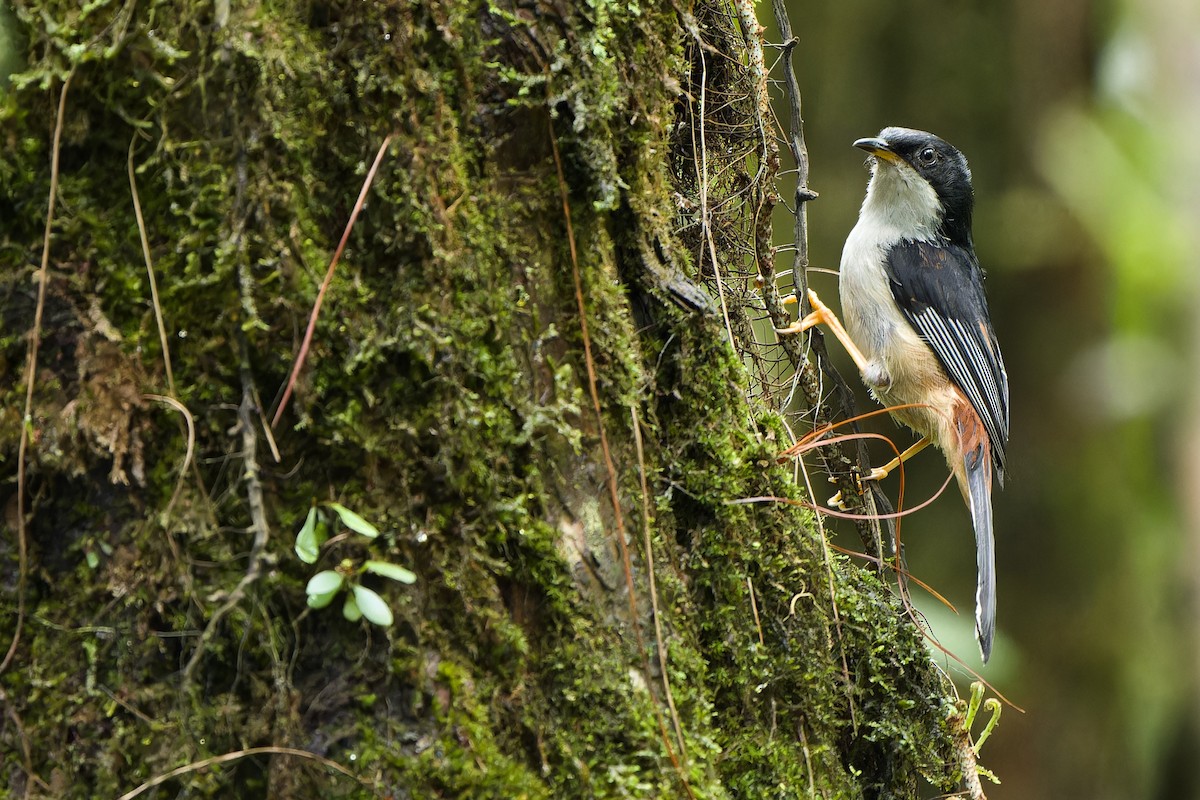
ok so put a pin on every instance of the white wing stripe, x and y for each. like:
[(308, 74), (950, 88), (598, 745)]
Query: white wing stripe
[(974, 370)]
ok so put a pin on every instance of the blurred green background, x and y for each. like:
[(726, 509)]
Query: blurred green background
[(1080, 121)]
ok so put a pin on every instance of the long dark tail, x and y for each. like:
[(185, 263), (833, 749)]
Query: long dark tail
[(979, 488)]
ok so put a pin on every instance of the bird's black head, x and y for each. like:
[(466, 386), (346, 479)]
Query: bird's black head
[(940, 164)]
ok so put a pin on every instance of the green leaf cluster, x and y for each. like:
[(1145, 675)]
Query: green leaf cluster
[(361, 602)]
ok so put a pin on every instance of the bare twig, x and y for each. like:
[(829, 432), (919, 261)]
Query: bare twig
[(842, 514), (31, 777), (35, 336), (702, 176), (659, 639), (812, 787), (225, 758), (799, 150), (158, 314), (165, 518), (754, 610), (835, 462), (968, 760), (258, 515), (337, 255), (190, 422), (752, 35)]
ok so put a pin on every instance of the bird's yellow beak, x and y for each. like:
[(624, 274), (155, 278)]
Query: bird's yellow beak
[(878, 148)]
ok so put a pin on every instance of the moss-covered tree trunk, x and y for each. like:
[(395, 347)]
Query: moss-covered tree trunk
[(517, 376)]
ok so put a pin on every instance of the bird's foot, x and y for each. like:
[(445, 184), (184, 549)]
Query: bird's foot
[(820, 315), (838, 502), (823, 315)]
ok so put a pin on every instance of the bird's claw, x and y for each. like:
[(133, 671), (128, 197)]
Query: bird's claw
[(838, 502), (820, 315)]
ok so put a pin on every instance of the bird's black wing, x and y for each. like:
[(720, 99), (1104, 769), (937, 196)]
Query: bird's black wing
[(939, 288)]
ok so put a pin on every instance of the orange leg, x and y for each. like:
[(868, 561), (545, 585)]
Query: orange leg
[(822, 314), (879, 473)]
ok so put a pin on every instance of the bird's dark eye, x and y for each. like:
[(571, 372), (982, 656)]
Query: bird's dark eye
[(927, 156)]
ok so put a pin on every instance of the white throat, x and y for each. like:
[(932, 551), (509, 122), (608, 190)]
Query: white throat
[(900, 204)]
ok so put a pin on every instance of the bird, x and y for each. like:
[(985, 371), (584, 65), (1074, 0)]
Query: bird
[(916, 323)]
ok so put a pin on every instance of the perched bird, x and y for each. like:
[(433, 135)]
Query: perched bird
[(913, 301)]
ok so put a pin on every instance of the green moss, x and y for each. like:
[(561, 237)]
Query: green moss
[(465, 760), (446, 398)]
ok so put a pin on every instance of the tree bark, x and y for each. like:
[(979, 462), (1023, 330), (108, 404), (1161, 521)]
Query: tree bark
[(521, 376)]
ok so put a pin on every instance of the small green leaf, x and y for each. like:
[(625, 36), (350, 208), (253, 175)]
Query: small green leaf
[(322, 600), (393, 571), (93, 560), (308, 543), (350, 610), (324, 582), (372, 606), (354, 522)]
